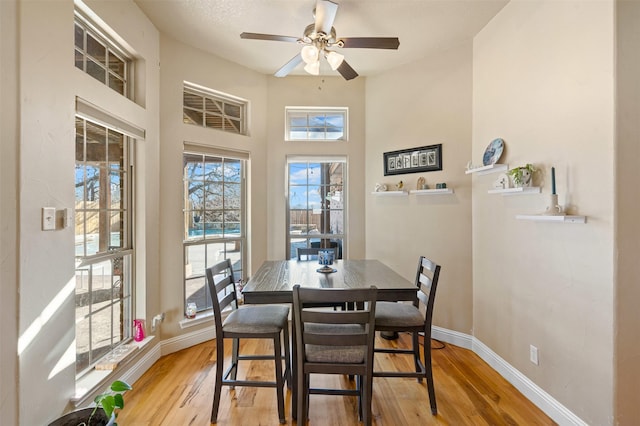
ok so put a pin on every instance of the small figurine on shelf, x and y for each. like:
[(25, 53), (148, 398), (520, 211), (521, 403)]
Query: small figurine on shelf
[(380, 187), (422, 183), (400, 185)]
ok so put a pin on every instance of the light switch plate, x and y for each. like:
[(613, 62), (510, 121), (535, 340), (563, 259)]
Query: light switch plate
[(48, 218)]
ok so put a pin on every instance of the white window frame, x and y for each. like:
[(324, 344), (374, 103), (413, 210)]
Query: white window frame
[(342, 236), (224, 98), (238, 244), (113, 48), (124, 254), (313, 111)]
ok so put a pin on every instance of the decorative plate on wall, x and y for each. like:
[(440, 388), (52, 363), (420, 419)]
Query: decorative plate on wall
[(493, 152)]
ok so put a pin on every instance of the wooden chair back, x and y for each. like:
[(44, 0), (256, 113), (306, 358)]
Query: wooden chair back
[(222, 288)]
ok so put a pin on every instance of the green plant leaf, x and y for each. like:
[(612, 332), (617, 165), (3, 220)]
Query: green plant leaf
[(120, 386), (108, 405), (118, 400)]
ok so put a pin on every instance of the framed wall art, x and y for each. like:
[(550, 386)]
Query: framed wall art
[(413, 160)]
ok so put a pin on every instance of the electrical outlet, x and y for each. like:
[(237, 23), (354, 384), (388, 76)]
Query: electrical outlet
[(533, 354)]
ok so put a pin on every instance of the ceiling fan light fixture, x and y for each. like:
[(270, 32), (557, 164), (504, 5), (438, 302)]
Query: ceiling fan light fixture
[(309, 54), (313, 68), (334, 59)]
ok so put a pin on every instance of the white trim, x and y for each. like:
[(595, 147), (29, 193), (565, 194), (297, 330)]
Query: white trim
[(554, 409), (142, 365), (95, 114), (550, 406), (187, 340), (344, 111), (453, 337)]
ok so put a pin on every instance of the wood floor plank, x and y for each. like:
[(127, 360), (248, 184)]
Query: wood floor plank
[(178, 390)]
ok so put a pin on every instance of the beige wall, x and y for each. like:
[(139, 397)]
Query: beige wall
[(543, 81), (627, 229), (181, 63), (540, 75), (49, 84), (315, 91), (8, 210), (424, 103)]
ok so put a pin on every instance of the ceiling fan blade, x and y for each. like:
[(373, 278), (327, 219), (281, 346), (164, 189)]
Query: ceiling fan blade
[(325, 12), (371, 42), (346, 71), (289, 66), (271, 37)]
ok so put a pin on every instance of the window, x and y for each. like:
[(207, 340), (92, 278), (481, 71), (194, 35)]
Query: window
[(104, 246), (203, 107), (214, 217), (316, 124), (100, 58), (315, 206)]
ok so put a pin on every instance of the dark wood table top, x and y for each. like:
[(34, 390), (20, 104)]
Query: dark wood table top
[(274, 281)]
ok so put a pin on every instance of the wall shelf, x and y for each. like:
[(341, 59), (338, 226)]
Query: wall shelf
[(437, 191), (553, 218), (390, 193), (517, 191), (491, 168)]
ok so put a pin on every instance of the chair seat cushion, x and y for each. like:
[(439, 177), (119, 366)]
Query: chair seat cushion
[(335, 354), (392, 314), (257, 319)]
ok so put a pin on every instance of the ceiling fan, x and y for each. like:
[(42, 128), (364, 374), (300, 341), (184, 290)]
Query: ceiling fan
[(318, 38)]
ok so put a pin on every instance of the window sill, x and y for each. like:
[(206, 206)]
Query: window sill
[(200, 318), (95, 380)]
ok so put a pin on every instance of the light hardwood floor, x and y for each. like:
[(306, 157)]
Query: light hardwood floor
[(178, 390)]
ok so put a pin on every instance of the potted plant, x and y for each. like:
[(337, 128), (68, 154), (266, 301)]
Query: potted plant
[(523, 175), (108, 401)]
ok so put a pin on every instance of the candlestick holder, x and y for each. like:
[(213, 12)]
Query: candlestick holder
[(554, 209)]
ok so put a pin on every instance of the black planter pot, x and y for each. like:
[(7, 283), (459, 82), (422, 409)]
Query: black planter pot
[(81, 417)]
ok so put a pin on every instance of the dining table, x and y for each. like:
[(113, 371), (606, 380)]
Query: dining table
[(273, 283)]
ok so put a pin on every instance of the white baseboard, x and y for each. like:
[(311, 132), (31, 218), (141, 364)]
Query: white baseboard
[(558, 412), (552, 408), (453, 337), (187, 340), (142, 365)]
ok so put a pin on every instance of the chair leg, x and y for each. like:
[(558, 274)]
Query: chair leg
[(416, 353), (279, 377), (218, 385), (301, 394), (429, 374), (287, 356), (234, 359), (368, 394)]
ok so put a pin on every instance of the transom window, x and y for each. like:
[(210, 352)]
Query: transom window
[(214, 110), (214, 217), (316, 124), (100, 58)]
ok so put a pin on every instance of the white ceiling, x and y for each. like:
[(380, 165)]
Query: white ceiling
[(423, 27)]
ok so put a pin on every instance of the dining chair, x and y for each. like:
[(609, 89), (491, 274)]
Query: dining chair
[(334, 342), (403, 317), (246, 321), (311, 253)]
